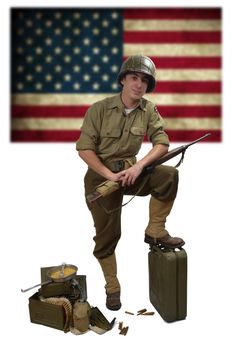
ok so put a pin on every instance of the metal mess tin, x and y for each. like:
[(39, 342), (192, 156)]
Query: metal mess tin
[(59, 273)]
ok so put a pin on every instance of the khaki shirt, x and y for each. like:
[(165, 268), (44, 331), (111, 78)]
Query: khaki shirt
[(113, 135)]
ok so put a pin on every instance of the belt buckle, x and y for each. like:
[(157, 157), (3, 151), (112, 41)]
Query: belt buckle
[(119, 165)]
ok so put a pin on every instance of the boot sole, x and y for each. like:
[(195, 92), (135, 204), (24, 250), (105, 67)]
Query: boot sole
[(152, 242), (113, 308)]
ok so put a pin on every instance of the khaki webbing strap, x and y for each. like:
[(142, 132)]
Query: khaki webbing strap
[(107, 187)]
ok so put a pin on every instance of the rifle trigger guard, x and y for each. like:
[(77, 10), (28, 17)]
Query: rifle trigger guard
[(181, 159)]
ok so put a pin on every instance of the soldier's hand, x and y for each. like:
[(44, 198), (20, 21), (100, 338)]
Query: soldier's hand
[(115, 177), (129, 176)]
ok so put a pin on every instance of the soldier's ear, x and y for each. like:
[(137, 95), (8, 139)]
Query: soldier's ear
[(122, 80)]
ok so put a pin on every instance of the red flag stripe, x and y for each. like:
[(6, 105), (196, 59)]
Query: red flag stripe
[(190, 111), (186, 62), (45, 135), (48, 111), (188, 87), (171, 37), (183, 136), (173, 13), (79, 111)]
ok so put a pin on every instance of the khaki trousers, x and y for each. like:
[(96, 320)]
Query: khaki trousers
[(162, 184)]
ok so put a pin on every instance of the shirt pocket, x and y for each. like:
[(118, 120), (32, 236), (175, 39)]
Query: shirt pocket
[(109, 139), (137, 131), (136, 137)]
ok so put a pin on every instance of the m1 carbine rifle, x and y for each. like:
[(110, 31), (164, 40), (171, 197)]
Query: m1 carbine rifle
[(107, 187)]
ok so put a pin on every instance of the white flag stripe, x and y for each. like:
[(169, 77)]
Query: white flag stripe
[(85, 99), (185, 99), (172, 25), (46, 123), (173, 50), (192, 123), (76, 123), (189, 75), (88, 99)]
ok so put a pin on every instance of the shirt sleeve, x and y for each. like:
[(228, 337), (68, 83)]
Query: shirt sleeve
[(90, 129), (155, 131)]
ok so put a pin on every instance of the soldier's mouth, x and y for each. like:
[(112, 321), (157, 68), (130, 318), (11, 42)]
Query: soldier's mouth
[(137, 92)]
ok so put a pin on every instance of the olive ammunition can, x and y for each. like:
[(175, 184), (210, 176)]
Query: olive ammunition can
[(46, 314)]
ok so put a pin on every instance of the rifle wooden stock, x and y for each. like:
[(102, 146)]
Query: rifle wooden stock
[(107, 187)]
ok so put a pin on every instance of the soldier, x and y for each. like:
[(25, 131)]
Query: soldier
[(112, 133)]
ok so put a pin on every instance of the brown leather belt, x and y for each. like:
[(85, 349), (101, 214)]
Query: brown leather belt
[(119, 165)]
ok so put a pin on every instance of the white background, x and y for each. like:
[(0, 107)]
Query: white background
[(44, 221)]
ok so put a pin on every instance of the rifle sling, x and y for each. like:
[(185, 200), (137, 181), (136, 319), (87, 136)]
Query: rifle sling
[(181, 159), (121, 206)]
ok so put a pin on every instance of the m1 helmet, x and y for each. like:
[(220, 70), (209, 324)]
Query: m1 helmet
[(140, 64)]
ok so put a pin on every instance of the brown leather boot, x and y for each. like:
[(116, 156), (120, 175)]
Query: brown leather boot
[(113, 301), (166, 241)]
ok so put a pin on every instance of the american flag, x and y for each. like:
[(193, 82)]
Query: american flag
[(65, 59)]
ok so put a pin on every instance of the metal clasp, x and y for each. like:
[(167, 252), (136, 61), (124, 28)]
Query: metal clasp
[(118, 165)]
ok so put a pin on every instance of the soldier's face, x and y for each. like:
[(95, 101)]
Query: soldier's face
[(134, 85)]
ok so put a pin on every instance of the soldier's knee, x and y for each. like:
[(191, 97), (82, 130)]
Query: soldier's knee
[(173, 183), (175, 175), (170, 174), (168, 184)]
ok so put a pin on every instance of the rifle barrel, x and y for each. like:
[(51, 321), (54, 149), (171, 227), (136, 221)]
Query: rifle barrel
[(197, 140)]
